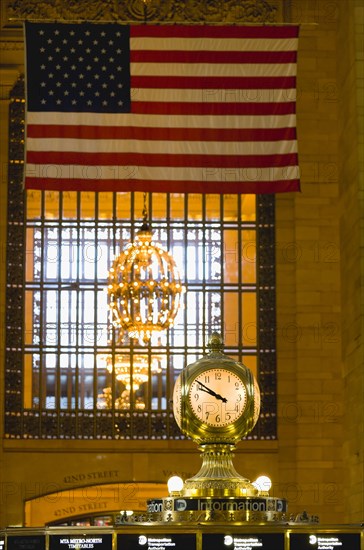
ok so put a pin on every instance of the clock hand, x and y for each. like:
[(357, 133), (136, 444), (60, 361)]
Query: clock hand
[(207, 391), (211, 392)]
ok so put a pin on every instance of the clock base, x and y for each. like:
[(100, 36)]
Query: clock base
[(217, 476)]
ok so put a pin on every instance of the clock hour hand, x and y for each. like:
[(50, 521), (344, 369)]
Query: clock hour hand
[(211, 392)]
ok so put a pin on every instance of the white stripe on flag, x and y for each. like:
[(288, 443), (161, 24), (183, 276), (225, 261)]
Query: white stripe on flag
[(71, 171), (160, 121), (159, 147), (211, 69), (214, 44)]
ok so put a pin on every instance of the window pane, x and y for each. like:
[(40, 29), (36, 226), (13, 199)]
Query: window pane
[(248, 209), (213, 207), (249, 256), (194, 207), (231, 319), (231, 207), (105, 206), (249, 315), (231, 256), (69, 205), (51, 204), (177, 206), (87, 205), (123, 207), (28, 382), (29, 303), (34, 205)]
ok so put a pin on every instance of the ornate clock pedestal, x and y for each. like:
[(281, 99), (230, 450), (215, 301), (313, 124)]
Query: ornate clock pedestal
[(217, 476), (217, 493)]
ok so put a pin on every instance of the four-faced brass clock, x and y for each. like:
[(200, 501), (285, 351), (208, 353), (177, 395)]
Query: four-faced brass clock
[(216, 399)]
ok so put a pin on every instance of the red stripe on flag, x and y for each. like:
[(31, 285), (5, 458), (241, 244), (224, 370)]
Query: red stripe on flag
[(176, 56), (213, 82), (160, 134), (192, 108), (163, 160), (205, 31)]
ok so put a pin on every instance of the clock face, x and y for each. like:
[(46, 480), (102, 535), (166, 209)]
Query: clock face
[(177, 400), (256, 401), (217, 397)]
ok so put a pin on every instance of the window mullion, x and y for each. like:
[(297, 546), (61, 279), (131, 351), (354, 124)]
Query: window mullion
[(42, 369), (58, 389), (240, 327), (80, 254)]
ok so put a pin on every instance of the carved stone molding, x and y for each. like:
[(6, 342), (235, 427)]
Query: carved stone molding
[(14, 12), (12, 59), (11, 46), (184, 11)]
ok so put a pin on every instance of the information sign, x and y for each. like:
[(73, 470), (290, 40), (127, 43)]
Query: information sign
[(261, 541), (81, 542), (26, 542), (324, 541), (220, 505), (144, 541)]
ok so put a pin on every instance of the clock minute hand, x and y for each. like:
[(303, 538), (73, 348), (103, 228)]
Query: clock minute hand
[(203, 388), (211, 392)]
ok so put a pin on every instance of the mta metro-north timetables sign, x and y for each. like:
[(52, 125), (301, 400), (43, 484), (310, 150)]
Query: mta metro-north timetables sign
[(97, 541)]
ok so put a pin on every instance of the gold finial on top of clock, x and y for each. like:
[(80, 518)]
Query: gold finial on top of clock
[(215, 342)]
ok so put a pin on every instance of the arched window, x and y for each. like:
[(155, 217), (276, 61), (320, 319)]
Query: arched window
[(65, 373)]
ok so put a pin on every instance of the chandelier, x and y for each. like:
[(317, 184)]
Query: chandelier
[(144, 287), (132, 373)]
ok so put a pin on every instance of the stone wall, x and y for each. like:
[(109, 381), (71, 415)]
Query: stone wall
[(310, 385), (351, 116)]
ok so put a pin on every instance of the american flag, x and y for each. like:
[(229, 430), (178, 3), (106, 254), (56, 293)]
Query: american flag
[(179, 108)]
